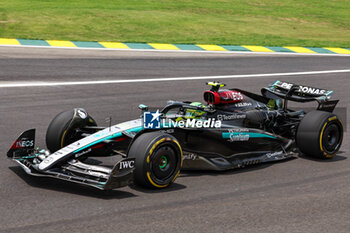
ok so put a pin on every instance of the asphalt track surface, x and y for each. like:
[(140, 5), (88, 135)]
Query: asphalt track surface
[(298, 195)]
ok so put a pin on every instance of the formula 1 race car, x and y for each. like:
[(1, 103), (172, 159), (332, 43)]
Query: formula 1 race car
[(234, 129)]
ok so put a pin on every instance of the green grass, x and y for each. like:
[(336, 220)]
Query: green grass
[(237, 22)]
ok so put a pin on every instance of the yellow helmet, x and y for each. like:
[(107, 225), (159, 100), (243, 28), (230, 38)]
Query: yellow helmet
[(193, 113)]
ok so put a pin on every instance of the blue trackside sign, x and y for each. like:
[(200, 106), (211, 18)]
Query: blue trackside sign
[(151, 120)]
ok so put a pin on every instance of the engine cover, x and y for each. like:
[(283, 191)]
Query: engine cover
[(223, 97)]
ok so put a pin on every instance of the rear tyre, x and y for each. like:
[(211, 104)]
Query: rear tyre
[(158, 159), (320, 134), (63, 128)]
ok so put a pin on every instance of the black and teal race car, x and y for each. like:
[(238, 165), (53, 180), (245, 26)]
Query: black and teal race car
[(234, 128)]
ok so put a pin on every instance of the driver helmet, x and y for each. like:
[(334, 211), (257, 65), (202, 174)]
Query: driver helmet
[(195, 114)]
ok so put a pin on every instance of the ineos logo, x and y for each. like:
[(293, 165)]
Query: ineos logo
[(23, 144), (232, 95)]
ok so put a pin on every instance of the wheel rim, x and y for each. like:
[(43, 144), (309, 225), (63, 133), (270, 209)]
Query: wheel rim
[(331, 138), (164, 163)]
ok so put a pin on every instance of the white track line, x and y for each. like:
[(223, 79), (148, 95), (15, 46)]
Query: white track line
[(48, 84), (182, 51)]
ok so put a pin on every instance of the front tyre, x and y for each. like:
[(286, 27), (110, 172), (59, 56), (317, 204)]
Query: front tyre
[(158, 159), (64, 128), (320, 134)]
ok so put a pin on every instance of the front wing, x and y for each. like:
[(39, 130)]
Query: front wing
[(100, 177)]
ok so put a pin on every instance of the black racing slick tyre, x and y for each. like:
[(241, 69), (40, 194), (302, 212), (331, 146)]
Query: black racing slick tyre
[(62, 130), (320, 134), (158, 159)]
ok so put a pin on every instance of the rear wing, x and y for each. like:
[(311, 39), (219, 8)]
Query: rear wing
[(300, 93)]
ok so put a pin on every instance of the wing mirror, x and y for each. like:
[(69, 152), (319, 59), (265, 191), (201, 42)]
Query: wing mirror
[(143, 107)]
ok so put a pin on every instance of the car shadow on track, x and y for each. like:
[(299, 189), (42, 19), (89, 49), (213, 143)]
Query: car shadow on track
[(336, 158), (248, 168), (67, 187), (173, 187)]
